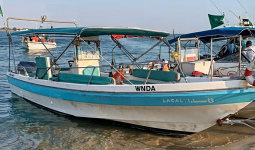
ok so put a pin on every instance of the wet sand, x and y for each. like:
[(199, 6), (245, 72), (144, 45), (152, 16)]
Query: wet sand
[(226, 137), (234, 137), (244, 144), (231, 137)]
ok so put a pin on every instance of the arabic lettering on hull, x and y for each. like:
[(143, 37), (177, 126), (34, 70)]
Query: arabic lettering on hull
[(173, 100)]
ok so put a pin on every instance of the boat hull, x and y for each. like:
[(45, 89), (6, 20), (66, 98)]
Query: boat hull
[(169, 111), (39, 45)]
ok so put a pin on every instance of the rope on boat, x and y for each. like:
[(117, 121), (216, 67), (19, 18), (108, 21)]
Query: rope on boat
[(241, 121), (87, 44)]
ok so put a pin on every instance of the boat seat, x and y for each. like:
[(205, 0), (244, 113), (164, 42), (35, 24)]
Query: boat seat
[(83, 79), (157, 75), (31, 74), (88, 71), (30, 67), (42, 63), (135, 82)]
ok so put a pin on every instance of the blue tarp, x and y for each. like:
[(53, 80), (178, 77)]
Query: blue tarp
[(205, 36)]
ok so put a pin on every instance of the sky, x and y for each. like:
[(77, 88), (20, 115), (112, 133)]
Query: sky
[(184, 16)]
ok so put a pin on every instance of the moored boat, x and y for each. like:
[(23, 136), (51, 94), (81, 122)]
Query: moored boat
[(38, 42), (38, 45), (146, 97)]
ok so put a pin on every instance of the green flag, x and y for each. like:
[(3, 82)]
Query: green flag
[(216, 21), (1, 12), (250, 23)]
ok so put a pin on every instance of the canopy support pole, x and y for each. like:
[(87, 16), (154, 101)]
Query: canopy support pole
[(149, 49), (9, 52), (125, 51), (88, 45), (209, 48), (198, 47), (179, 50), (11, 49), (169, 46), (159, 53), (44, 45), (148, 75), (55, 60), (240, 54), (91, 75), (13, 58), (211, 68), (117, 70)]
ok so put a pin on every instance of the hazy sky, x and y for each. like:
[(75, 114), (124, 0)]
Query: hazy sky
[(182, 15)]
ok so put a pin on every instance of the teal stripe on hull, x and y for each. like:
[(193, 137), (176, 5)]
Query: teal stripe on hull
[(141, 99)]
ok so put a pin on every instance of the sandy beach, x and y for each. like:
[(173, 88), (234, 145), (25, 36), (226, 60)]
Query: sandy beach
[(227, 137)]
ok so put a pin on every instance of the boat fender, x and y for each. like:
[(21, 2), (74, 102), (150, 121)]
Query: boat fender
[(119, 77), (248, 73)]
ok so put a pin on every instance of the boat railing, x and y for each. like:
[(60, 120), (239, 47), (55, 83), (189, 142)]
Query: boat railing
[(125, 67), (57, 69)]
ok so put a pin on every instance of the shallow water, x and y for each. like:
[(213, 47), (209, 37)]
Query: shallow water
[(25, 125)]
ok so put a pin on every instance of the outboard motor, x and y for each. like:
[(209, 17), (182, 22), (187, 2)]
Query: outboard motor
[(28, 67)]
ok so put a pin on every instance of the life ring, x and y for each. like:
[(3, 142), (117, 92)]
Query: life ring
[(119, 74), (248, 73)]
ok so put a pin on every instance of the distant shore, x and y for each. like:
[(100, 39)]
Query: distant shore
[(14, 29), (5, 30)]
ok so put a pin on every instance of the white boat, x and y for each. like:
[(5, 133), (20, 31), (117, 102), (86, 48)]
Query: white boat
[(150, 98), (38, 45)]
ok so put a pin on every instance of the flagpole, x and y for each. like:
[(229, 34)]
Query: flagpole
[(1, 13)]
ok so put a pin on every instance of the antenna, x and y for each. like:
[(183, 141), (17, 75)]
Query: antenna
[(245, 10), (235, 15), (220, 11), (216, 7)]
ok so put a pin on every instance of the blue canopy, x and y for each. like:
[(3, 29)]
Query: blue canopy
[(94, 31), (205, 36)]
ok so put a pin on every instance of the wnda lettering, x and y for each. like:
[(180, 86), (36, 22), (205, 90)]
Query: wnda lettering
[(145, 88)]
